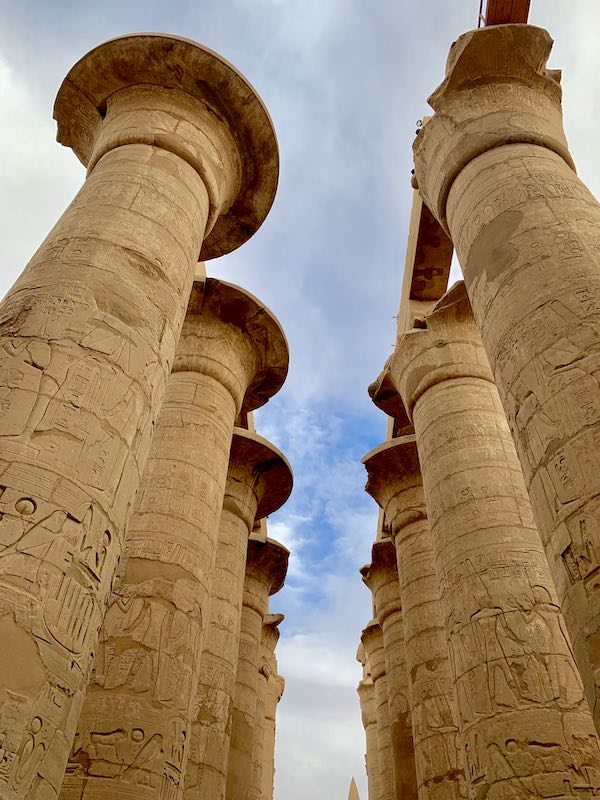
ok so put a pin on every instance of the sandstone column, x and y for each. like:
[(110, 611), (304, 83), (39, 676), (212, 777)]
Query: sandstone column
[(493, 166), (395, 483), (232, 356), (525, 724), (368, 709), (179, 149), (266, 566), (270, 636), (275, 689), (381, 576), (259, 481), (372, 641)]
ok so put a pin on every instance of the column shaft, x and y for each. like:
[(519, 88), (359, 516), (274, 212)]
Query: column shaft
[(494, 166), (433, 703), (395, 482), (87, 335), (274, 693), (518, 690), (207, 767), (366, 692), (372, 638)]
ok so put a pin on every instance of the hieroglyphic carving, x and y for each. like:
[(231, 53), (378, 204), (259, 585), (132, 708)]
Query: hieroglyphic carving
[(512, 662)]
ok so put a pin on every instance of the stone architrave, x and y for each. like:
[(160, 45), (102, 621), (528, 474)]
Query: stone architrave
[(372, 641), (395, 483), (525, 724), (494, 167), (381, 577), (179, 151), (269, 639), (368, 710), (232, 356), (275, 689), (259, 481), (266, 566)]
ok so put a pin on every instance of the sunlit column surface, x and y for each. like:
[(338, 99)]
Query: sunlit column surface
[(494, 167), (182, 164)]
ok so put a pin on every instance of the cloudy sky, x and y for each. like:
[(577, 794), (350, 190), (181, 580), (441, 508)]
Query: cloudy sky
[(345, 81)]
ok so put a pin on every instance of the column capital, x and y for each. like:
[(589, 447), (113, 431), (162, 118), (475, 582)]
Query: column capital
[(225, 304), (372, 640), (381, 577), (100, 106), (394, 480), (448, 346), (267, 562), (270, 631), (496, 91), (368, 712), (259, 477)]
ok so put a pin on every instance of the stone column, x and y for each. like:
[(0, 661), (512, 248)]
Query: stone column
[(266, 566), (179, 150), (275, 689), (232, 355), (395, 483), (493, 166), (368, 710), (525, 725), (372, 641), (259, 481), (381, 576), (270, 636)]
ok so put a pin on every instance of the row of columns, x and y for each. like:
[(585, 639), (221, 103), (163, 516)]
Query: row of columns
[(489, 497), (133, 591)]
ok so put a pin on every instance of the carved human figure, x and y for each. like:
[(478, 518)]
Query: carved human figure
[(381, 576), (505, 630), (494, 167), (232, 356), (266, 567), (259, 481), (181, 161), (395, 483)]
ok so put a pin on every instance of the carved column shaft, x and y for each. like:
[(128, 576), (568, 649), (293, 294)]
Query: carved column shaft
[(87, 338), (366, 694), (515, 679), (381, 576), (526, 232), (275, 689), (372, 638), (265, 571), (259, 481), (395, 482)]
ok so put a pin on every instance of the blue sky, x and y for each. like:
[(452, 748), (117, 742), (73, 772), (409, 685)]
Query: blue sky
[(345, 82)]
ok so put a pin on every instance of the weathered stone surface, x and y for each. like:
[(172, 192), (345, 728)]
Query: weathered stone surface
[(395, 483), (381, 576), (524, 721), (266, 566), (372, 641), (275, 690), (87, 339), (366, 694), (270, 636), (259, 480), (526, 232), (148, 663)]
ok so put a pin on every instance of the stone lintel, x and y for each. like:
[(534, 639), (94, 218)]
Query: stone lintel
[(447, 347), (230, 304), (496, 91), (267, 561), (499, 12), (178, 64)]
